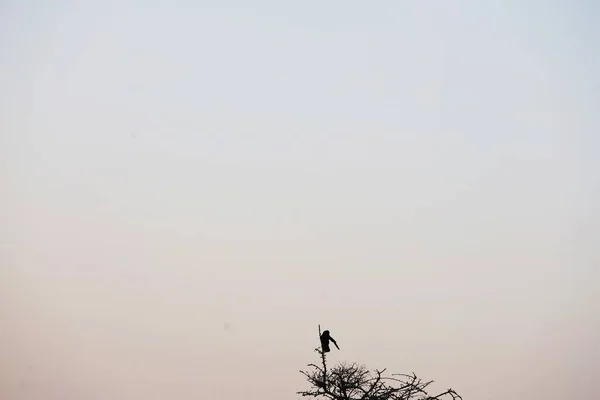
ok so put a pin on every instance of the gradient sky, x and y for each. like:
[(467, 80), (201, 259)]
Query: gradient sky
[(189, 188)]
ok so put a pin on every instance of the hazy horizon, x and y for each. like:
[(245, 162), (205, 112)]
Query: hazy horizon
[(188, 191)]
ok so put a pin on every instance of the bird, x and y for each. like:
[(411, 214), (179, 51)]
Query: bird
[(325, 338)]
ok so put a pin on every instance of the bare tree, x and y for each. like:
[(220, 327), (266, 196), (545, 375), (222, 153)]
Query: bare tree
[(356, 382)]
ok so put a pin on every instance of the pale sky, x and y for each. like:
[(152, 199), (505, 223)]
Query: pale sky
[(189, 188)]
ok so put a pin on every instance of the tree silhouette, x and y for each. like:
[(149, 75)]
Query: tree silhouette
[(356, 382)]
